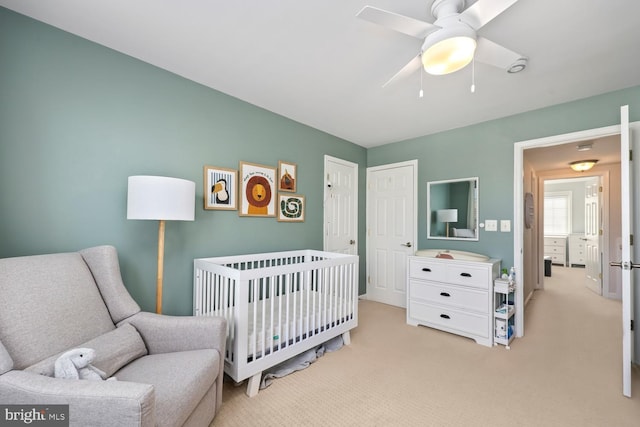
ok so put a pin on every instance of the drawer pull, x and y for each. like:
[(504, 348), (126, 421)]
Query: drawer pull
[(465, 274), (445, 294), (428, 270), (445, 316)]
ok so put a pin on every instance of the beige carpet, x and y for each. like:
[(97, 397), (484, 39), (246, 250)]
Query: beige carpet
[(565, 371)]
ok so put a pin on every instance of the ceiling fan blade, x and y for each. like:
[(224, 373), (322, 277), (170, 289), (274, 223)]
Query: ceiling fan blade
[(408, 69), (403, 24), (491, 53), (481, 12)]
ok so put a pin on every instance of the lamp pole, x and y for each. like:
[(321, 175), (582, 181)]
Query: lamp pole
[(160, 275)]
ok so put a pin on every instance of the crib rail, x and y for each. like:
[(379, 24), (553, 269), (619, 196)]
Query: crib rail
[(276, 305)]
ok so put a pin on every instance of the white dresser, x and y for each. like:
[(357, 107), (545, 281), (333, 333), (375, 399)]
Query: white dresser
[(452, 295), (577, 246), (556, 248)]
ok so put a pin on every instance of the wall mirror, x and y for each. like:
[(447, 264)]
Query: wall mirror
[(452, 209)]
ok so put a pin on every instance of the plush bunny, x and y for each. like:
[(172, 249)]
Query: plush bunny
[(76, 364)]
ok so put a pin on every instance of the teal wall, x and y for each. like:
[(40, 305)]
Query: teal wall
[(76, 119), (486, 150)]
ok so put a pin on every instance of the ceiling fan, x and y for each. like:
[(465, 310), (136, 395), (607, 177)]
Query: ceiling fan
[(451, 42)]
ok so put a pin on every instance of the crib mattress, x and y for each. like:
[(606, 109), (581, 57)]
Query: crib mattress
[(273, 325)]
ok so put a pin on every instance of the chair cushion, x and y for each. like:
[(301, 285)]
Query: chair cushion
[(48, 304), (114, 350), (104, 265), (180, 381)]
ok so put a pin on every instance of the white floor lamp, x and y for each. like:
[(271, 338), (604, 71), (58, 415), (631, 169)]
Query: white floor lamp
[(164, 199)]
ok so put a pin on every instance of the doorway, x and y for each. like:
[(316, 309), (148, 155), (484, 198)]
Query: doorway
[(549, 158)]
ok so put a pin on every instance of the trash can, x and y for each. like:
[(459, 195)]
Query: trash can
[(547, 266)]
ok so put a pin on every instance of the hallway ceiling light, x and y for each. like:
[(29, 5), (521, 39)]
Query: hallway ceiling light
[(582, 165)]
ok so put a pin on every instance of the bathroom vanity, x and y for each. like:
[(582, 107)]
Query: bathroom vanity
[(453, 294)]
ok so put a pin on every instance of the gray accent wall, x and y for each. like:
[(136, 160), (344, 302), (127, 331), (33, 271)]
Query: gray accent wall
[(76, 119)]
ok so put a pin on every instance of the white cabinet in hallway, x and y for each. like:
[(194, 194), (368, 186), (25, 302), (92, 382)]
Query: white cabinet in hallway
[(577, 250), (556, 248)]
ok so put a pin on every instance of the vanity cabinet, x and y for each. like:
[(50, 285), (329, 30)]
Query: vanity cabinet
[(455, 296), (556, 248)]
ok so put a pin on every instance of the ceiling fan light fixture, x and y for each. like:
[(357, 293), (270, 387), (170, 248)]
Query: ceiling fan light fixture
[(582, 165), (449, 55)]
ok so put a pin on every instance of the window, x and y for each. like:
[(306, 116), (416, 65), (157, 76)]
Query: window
[(557, 213)]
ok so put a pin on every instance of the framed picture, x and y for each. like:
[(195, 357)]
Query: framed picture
[(287, 176), (220, 188), (290, 207), (257, 190)]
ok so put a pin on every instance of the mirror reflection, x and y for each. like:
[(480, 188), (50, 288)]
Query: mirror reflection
[(452, 208)]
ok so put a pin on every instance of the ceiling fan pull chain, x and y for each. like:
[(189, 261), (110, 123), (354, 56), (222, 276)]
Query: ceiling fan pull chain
[(421, 93), (473, 75)]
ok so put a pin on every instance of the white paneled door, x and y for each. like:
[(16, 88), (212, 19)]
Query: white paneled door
[(593, 235), (391, 230), (340, 206), (626, 263)]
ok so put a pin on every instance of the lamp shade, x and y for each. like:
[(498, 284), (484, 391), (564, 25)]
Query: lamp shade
[(161, 198), (447, 215)]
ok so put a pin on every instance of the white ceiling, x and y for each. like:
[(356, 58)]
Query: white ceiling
[(316, 63)]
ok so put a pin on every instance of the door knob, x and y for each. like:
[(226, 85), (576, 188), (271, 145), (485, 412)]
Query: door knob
[(624, 265), (408, 244), (352, 242)]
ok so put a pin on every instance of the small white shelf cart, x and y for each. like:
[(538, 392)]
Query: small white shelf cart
[(504, 319)]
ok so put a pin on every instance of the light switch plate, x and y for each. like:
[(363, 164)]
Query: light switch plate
[(491, 225), (505, 225)]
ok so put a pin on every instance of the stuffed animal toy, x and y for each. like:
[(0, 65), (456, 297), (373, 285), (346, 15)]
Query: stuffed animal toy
[(76, 364)]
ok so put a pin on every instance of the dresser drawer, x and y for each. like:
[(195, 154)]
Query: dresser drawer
[(466, 275), (469, 323), (553, 249), (557, 259), (427, 270), (555, 241), (453, 296)]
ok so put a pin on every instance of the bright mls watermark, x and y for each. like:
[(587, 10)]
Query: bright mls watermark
[(34, 415)]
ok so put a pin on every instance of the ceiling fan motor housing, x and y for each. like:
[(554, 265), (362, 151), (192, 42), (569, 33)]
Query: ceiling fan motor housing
[(444, 8)]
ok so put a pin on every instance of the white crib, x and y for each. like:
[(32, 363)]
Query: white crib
[(277, 305)]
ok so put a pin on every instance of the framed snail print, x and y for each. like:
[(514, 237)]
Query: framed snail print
[(220, 188), (287, 176), (290, 207), (257, 190)]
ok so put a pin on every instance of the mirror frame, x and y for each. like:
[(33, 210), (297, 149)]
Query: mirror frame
[(430, 214)]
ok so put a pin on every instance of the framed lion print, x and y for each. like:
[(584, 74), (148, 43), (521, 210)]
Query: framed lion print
[(257, 190)]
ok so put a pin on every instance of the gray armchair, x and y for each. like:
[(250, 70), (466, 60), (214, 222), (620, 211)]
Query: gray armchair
[(169, 369)]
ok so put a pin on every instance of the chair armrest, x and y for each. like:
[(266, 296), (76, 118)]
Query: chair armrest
[(166, 334), (94, 403)]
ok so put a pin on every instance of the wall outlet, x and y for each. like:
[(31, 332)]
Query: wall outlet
[(505, 225), (491, 225)]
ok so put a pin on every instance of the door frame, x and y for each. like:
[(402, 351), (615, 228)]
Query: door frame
[(414, 164), (327, 159), (518, 193)]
